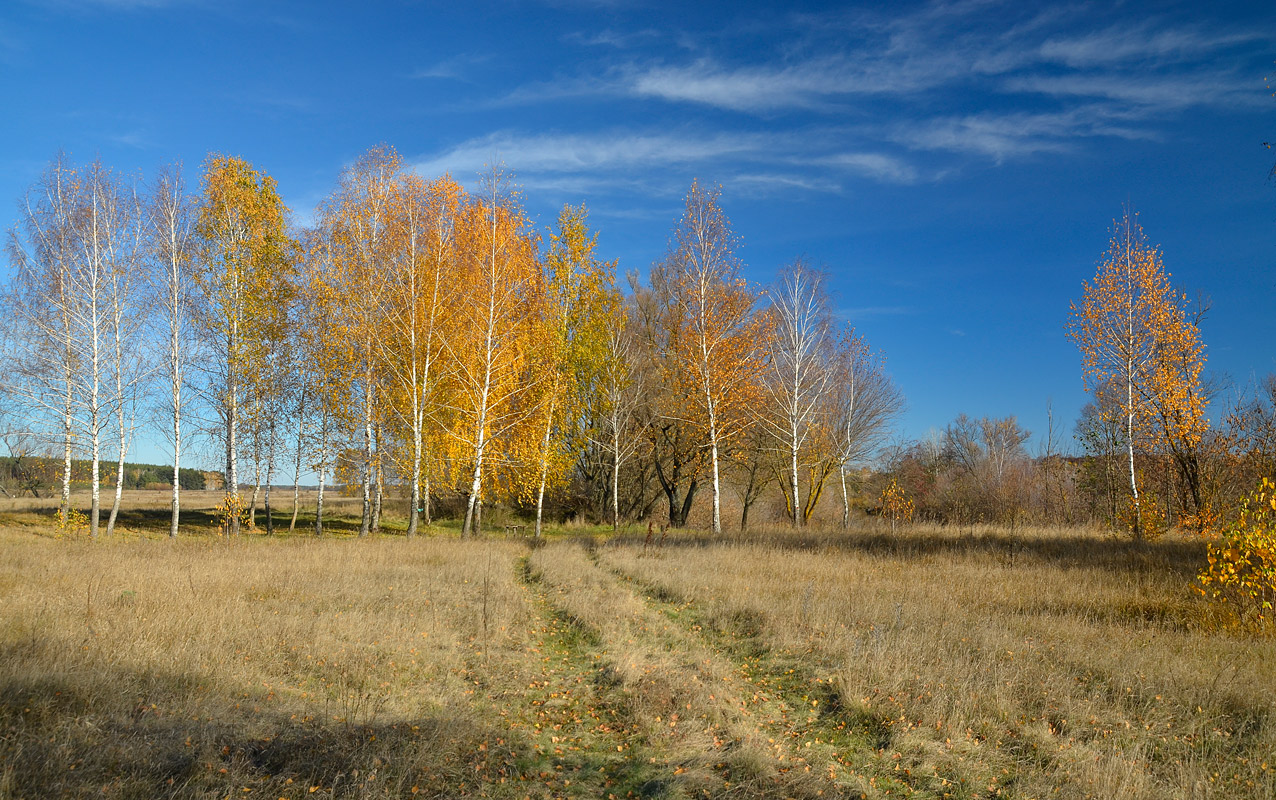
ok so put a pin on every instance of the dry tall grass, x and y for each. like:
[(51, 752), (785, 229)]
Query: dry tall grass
[(930, 663), (194, 669), (1045, 664)]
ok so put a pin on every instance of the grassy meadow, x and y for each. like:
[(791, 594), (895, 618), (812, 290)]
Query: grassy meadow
[(970, 663)]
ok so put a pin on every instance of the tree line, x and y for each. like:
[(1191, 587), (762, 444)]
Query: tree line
[(427, 346), (424, 345)]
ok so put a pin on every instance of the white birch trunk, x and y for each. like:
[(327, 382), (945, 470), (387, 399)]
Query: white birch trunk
[(296, 481), (323, 470), (615, 470), (540, 493), (846, 501), (365, 522)]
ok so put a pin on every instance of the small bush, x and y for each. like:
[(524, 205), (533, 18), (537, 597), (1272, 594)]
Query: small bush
[(1242, 560)]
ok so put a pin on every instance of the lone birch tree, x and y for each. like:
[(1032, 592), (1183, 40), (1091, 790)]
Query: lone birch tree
[(1138, 345)]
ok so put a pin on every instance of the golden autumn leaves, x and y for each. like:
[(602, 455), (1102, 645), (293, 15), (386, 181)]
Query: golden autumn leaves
[(1142, 358)]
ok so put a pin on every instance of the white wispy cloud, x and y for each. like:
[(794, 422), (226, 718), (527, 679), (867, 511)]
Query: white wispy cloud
[(806, 161), (866, 312), (938, 47), (1119, 44), (761, 88), (609, 37), (588, 152), (450, 68), (1003, 136), (1163, 92)]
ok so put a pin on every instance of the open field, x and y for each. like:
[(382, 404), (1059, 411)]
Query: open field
[(930, 663)]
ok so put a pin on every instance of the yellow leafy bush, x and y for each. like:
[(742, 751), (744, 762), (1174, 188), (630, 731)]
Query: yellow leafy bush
[(231, 507), (1242, 560), (896, 505)]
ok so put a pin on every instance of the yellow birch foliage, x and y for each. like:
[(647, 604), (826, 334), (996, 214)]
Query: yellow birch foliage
[(581, 302), (897, 506), (247, 258), (421, 312), (1140, 350), (246, 261), (1241, 573), (494, 399)]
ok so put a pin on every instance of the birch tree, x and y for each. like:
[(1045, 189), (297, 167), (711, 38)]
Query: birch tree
[(504, 285), (419, 315), (123, 232), (864, 403), (90, 301), (1138, 344), (172, 228), (703, 276), (579, 295), (622, 387), (43, 340), (358, 216), (243, 249), (798, 372)]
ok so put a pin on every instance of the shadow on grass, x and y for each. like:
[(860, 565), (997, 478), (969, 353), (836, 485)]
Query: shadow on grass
[(133, 735), (1177, 554)]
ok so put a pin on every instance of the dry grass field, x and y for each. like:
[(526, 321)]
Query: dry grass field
[(929, 663)]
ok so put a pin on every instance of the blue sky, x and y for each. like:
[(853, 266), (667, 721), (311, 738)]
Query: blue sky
[(954, 165)]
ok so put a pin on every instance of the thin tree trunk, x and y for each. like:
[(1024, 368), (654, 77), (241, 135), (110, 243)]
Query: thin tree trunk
[(540, 493), (425, 500), (414, 496), (1129, 433), (95, 469), (717, 487), (177, 460), (296, 482), (119, 478), (615, 473), (232, 423), (365, 522), (119, 405), (67, 440), (270, 477), (252, 504), (379, 478), (323, 469), (793, 480), (846, 502)]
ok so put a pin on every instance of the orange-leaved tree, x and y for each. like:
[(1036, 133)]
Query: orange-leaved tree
[(1139, 347), (494, 395)]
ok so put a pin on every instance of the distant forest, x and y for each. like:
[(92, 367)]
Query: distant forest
[(36, 476)]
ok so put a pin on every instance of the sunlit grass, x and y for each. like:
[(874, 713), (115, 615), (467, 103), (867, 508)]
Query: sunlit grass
[(929, 663)]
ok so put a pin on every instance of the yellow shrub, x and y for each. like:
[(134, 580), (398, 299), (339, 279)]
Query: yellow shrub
[(1242, 560)]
